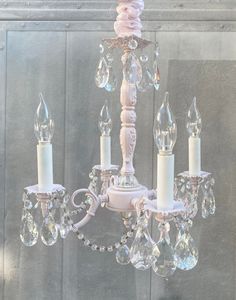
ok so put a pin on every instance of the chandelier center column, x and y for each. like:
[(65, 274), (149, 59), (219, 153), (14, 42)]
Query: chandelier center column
[(128, 99)]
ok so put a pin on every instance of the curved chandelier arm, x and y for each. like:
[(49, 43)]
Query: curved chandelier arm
[(95, 202)]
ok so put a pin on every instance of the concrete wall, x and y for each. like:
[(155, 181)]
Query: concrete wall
[(53, 47)]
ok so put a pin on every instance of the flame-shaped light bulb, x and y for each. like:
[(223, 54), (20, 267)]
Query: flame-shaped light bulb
[(165, 129), (193, 120), (105, 122), (43, 123)]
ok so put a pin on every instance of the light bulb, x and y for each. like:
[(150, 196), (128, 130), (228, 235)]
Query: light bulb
[(165, 129), (193, 120), (105, 122), (43, 123)]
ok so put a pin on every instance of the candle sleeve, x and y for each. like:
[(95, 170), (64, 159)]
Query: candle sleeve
[(105, 152), (45, 166), (165, 181), (194, 144)]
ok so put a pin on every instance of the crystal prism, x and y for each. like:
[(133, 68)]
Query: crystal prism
[(164, 263), (64, 230), (29, 230), (112, 81), (208, 204), (102, 73), (156, 75), (132, 69), (146, 81), (122, 255), (49, 231), (186, 252), (141, 250)]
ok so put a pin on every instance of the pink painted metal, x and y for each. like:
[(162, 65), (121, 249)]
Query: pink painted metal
[(95, 203), (128, 99), (128, 20)]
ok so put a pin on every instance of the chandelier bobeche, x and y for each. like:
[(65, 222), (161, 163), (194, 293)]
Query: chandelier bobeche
[(46, 211)]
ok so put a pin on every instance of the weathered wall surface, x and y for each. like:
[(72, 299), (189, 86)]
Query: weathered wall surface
[(52, 46)]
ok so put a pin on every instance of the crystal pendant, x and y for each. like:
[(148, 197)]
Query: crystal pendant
[(29, 230), (186, 252), (164, 263), (122, 255), (141, 251), (208, 204), (112, 81), (65, 222), (146, 81), (190, 203), (156, 75), (49, 231), (132, 69), (102, 73)]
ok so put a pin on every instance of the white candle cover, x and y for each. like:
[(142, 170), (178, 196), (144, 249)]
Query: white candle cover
[(165, 181), (105, 152), (45, 166), (194, 144)]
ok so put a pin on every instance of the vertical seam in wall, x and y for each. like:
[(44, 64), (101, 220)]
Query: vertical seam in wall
[(4, 164), (153, 169), (64, 165)]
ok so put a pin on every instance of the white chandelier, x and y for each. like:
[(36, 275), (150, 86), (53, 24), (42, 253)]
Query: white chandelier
[(174, 200)]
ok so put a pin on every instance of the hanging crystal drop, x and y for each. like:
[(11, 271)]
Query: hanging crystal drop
[(132, 70), (164, 264), (65, 222), (29, 230), (191, 206), (208, 204), (141, 251), (49, 231), (186, 252), (102, 72), (123, 255), (146, 81), (156, 75), (112, 81)]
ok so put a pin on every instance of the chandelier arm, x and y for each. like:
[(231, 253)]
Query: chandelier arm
[(96, 201)]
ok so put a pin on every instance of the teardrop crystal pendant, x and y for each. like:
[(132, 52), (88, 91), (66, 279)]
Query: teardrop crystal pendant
[(112, 81), (49, 231), (190, 203), (146, 82), (123, 255), (186, 252), (102, 73), (208, 204), (64, 230), (132, 70), (141, 250), (156, 75), (164, 264), (65, 221), (29, 229)]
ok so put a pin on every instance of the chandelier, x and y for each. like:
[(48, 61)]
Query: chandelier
[(49, 211)]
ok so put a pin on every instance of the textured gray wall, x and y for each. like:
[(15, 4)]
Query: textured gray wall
[(198, 57)]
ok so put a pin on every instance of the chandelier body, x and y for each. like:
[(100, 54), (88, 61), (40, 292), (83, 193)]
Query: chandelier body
[(119, 190)]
